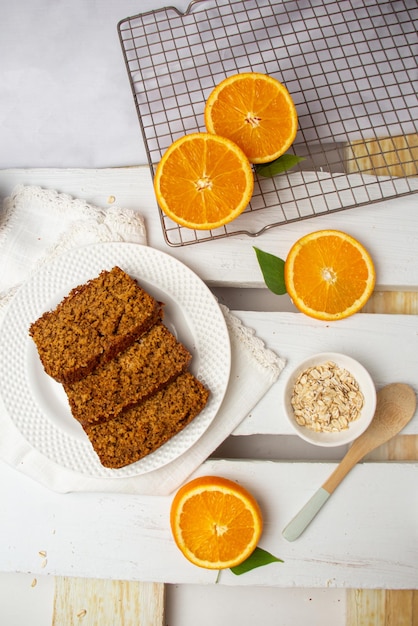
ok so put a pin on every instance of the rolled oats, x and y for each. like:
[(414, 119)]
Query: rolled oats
[(326, 398)]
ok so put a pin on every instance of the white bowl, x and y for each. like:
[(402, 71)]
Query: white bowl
[(355, 427)]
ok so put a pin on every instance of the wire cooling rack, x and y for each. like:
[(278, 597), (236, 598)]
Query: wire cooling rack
[(350, 66)]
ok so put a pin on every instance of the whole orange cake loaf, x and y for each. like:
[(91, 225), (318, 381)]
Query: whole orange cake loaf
[(133, 375), (95, 322), (142, 429)]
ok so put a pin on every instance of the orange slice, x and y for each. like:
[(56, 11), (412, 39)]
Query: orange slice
[(329, 275), (203, 181), (256, 112), (215, 522)]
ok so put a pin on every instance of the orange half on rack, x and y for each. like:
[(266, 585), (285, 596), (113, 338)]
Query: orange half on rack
[(203, 181), (255, 111)]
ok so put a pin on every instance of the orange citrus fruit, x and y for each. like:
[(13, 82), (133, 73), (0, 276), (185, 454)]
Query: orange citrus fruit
[(215, 522), (329, 275), (203, 181), (256, 112)]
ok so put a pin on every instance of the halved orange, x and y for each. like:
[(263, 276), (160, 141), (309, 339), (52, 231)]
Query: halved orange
[(329, 275), (215, 522), (203, 181), (256, 111)]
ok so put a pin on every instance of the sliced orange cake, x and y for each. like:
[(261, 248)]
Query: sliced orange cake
[(95, 322), (133, 375), (142, 429)]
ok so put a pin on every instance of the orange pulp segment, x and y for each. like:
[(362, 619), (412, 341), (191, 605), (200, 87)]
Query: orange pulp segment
[(215, 522), (329, 275), (255, 111), (203, 181)]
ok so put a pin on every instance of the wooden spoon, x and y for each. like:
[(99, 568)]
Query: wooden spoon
[(396, 404)]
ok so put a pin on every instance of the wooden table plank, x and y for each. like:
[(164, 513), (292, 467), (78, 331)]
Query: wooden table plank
[(369, 607), (393, 303), (94, 602), (387, 345), (362, 538), (231, 262)]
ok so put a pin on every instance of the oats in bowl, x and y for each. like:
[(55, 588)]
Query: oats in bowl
[(326, 397), (329, 399)]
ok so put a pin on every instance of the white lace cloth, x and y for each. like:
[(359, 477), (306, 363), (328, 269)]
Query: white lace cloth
[(38, 224)]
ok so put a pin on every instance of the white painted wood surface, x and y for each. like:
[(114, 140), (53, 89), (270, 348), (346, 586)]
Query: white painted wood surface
[(369, 554), (387, 345), (388, 229), (365, 536)]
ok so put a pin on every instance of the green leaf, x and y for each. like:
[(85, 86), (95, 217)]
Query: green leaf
[(258, 558), (278, 166), (272, 268)]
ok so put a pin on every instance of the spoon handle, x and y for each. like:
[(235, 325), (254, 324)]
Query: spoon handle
[(302, 519)]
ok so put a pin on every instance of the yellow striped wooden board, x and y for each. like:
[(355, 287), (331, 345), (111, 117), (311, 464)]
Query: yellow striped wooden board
[(391, 156), (94, 602)]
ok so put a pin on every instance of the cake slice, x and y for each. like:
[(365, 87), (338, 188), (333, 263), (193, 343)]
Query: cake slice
[(137, 432), (95, 322), (138, 372)]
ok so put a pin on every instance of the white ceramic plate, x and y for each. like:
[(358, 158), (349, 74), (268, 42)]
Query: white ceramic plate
[(38, 405)]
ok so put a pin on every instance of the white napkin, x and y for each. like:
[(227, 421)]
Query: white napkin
[(38, 224)]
